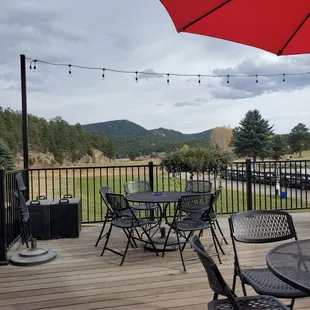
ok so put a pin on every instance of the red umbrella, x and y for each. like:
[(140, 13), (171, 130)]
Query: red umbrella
[(281, 27)]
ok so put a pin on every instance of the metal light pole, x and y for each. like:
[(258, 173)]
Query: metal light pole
[(24, 121)]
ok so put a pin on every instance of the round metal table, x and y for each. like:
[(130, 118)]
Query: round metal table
[(291, 263), (164, 198)]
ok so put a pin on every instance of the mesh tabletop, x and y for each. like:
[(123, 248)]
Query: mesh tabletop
[(157, 197), (291, 263)]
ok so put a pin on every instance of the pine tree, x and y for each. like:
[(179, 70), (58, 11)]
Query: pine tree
[(6, 156), (278, 147), (251, 138), (298, 138), (110, 151)]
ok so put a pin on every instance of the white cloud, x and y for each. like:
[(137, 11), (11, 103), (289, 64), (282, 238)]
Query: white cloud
[(139, 35)]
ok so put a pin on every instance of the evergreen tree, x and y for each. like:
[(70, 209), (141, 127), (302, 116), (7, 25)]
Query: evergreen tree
[(278, 147), (6, 156), (110, 151), (251, 138), (298, 138)]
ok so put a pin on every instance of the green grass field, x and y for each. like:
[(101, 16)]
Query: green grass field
[(85, 184)]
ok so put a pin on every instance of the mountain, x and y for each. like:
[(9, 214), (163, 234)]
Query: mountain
[(117, 128), (127, 128), (131, 140)]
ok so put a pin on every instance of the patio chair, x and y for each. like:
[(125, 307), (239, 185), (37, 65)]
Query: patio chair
[(134, 187), (198, 186), (103, 190), (25, 228), (119, 205), (205, 187), (258, 227), (183, 224), (220, 287)]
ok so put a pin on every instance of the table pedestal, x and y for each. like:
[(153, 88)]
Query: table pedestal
[(159, 242)]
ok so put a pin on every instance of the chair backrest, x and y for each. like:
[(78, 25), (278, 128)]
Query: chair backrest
[(24, 211), (195, 203), (103, 190), (217, 194), (20, 182), (215, 278), (117, 203), (263, 226), (134, 187), (198, 186)]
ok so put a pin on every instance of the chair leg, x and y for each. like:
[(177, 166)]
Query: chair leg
[(233, 288), (215, 296), (150, 239), (180, 249), (186, 240), (215, 245), (129, 236), (132, 240), (217, 240), (166, 241), (292, 303), (220, 230), (101, 232), (107, 240)]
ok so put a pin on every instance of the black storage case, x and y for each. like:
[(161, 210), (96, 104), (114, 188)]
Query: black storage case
[(39, 211), (66, 218)]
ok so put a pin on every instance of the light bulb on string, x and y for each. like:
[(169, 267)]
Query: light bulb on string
[(283, 80), (227, 79), (168, 78), (136, 78), (199, 80), (70, 72), (35, 66), (256, 79), (103, 76)]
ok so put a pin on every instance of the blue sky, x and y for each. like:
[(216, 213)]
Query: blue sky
[(139, 35)]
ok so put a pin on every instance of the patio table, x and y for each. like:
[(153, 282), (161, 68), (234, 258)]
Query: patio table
[(291, 263), (164, 198)]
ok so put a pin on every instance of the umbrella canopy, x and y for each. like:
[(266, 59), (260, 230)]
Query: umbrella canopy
[(281, 27)]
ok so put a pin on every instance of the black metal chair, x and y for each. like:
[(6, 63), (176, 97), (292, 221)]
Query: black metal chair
[(119, 205), (198, 186), (25, 228), (134, 187), (220, 287), (103, 190), (183, 224), (259, 227)]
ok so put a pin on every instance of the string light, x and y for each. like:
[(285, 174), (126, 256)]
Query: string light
[(33, 66)]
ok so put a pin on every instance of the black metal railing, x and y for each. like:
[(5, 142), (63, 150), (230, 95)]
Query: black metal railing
[(9, 212), (246, 185)]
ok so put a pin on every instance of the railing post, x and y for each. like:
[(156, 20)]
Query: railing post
[(151, 175), (3, 227), (249, 184)]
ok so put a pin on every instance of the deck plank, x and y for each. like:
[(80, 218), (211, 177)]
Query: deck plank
[(80, 279)]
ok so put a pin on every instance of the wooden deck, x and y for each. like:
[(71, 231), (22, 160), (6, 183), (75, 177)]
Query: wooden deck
[(80, 279)]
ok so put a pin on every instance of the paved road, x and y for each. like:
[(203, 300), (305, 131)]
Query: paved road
[(261, 189)]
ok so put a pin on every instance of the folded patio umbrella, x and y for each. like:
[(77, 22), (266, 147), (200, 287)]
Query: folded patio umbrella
[(281, 27)]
